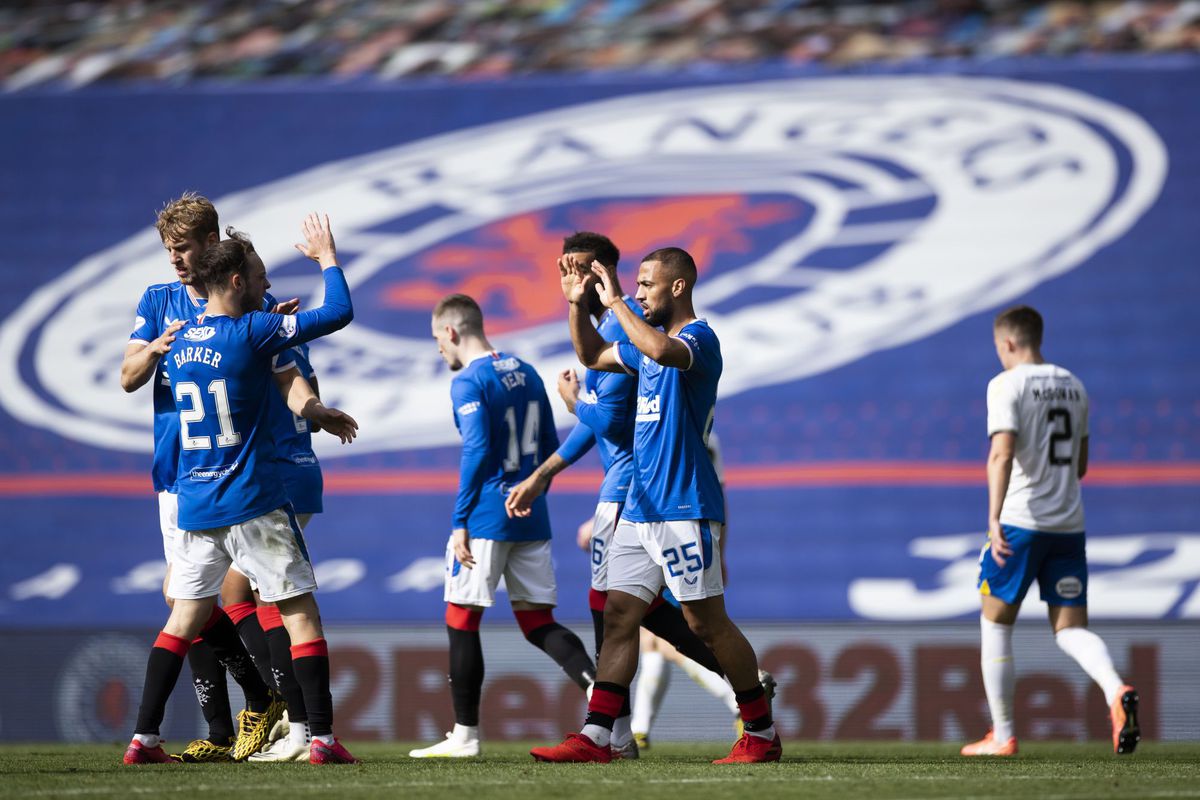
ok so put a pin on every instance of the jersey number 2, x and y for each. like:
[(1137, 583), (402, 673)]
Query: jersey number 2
[(228, 437), (529, 436), (1057, 435)]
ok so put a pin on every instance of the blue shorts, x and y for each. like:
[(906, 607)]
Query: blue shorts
[(305, 487), (1057, 560)]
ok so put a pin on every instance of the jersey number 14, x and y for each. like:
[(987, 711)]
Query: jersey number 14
[(528, 445)]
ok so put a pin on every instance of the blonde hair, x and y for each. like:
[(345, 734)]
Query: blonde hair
[(190, 216)]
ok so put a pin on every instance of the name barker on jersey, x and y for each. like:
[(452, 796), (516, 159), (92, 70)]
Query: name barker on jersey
[(204, 355)]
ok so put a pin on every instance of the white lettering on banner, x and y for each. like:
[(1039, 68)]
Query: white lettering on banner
[(1118, 588), (336, 574), (989, 155), (423, 575), (145, 578), (53, 584)]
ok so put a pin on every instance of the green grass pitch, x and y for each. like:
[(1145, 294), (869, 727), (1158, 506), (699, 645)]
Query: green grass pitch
[(1043, 771)]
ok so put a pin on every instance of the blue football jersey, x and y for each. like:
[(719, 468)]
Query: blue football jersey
[(673, 477), (503, 414), (605, 410), (221, 378), (161, 305), (298, 464)]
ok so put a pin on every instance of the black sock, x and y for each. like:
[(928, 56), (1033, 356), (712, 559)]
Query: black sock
[(162, 673), (667, 623), (212, 690), (230, 651), (568, 652), (310, 663), (598, 630), (280, 646), (466, 674), (250, 631)]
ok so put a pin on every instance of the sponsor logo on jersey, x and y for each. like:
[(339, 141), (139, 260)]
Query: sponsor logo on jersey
[(468, 408), (200, 334), (649, 409), (212, 473), (138, 322), (287, 328), (505, 364), (831, 218)]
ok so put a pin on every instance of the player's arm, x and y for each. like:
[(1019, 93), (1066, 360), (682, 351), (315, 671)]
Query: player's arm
[(613, 411), (590, 347), (519, 502), (471, 416), (653, 343), (303, 401), (1083, 457), (999, 472), (141, 358)]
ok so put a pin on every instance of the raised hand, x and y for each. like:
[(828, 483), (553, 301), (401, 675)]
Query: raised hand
[(607, 287), (318, 240), (574, 280)]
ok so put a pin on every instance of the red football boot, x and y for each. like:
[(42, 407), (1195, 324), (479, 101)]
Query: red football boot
[(138, 753), (321, 753), (753, 750), (576, 748)]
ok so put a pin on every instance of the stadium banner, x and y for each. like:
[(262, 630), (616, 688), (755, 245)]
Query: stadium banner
[(835, 682), (856, 234)]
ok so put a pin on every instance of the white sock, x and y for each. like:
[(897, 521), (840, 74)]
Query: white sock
[(654, 678), (622, 731), (464, 733), (713, 683), (150, 740), (999, 675), (299, 733), (597, 733), (1092, 654), (327, 739)]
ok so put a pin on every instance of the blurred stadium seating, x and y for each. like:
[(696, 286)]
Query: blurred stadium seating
[(858, 223)]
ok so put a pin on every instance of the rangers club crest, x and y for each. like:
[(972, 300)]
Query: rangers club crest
[(831, 218)]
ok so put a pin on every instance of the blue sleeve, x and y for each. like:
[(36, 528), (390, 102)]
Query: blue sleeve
[(705, 348), (471, 417), (629, 356), (612, 413), (579, 441), (149, 318), (272, 333), (281, 362)]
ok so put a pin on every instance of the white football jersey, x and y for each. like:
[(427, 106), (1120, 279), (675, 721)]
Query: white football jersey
[(1047, 408)]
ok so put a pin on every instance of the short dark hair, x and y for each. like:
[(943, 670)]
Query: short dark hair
[(1024, 323), (221, 261), (677, 262), (461, 312), (599, 245)]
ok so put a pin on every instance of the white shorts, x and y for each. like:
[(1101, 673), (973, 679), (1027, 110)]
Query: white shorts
[(269, 550), (683, 555), (526, 566), (604, 525), (168, 522)]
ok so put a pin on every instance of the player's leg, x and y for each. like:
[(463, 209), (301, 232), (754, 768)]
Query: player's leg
[(1063, 583), (600, 532), (666, 621), (1002, 588), (691, 559), (529, 577), (208, 674), (469, 590), (287, 744), (633, 581), (271, 551), (198, 565), (240, 604), (653, 680), (711, 682)]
